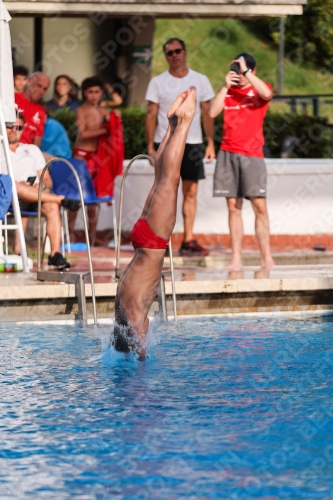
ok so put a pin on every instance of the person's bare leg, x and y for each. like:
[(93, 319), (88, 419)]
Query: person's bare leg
[(71, 224), (53, 225), (236, 232), (262, 231), (190, 189), (17, 246), (93, 213), (160, 152), (30, 194), (161, 216)]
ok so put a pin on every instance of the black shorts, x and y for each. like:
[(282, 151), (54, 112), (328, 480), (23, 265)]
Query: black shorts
[(26, 206), (192, 167)]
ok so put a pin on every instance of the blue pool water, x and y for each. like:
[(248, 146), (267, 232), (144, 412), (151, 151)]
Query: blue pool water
[(224, 408)]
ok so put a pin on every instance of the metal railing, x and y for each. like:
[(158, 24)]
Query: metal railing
[(305, 100), (76, 278)]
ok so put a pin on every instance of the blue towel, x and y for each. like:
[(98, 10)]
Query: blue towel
[(55, 140), (5, 195), (75, 247)]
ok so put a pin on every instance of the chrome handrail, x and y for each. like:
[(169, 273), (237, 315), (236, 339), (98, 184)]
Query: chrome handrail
[(172, 272), (39, 263)]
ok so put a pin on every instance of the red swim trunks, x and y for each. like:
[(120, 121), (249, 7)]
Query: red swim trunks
[(144, 237), (84, 153)]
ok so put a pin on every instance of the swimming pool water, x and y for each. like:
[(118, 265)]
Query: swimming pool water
[(224, 408)]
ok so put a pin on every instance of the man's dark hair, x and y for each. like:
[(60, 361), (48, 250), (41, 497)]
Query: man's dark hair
[(20, 70), (250, 60), (92, 81), (172, 40)]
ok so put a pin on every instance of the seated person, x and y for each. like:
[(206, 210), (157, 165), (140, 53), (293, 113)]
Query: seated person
[(55, 141), (28, 105), (28, 162), (21, 74), (64, 94)]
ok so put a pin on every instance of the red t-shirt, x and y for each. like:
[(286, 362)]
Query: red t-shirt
[(244, 113), (35, 117)]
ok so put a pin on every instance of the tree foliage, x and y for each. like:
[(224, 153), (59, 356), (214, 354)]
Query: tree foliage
[(308, 37)]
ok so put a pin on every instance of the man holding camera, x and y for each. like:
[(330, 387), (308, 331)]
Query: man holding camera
[(240, 167)]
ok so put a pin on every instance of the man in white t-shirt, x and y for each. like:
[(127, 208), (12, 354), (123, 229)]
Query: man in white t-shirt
[(161, 93), (28, 162)]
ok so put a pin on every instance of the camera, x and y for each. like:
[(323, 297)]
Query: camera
[(235, 67)]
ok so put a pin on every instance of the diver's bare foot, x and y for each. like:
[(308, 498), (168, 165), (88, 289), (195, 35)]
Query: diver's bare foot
[(171, 114), (187, 108), (179, 99)]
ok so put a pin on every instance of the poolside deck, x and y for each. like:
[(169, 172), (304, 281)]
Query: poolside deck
[(203, 286)]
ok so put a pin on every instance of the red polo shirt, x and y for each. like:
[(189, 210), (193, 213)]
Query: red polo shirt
[(244, 113), (35, 117)]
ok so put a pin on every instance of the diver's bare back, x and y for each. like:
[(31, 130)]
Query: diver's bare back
[(138, 285)]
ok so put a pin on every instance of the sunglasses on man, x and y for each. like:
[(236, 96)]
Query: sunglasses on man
[(18, 127), (171, 52)]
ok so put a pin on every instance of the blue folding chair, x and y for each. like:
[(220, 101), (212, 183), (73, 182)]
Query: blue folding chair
[(64, 183)]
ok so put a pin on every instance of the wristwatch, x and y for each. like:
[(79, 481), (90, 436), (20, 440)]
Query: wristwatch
[(248, 69)]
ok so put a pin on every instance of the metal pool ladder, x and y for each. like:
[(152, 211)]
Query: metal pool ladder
[(161, 295), (66, 276)]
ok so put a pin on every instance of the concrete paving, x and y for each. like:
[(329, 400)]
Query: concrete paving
[(203, 286)]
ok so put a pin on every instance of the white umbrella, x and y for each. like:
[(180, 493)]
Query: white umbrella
[(8, 115), (6, 67)]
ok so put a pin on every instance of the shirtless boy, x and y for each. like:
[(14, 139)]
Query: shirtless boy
[(137, 287), (90, 118)]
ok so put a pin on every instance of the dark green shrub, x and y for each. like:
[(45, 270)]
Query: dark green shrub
[(134, 131), (312, 131)]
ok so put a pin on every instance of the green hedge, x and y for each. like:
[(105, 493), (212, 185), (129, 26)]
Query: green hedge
[(312, 131)]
